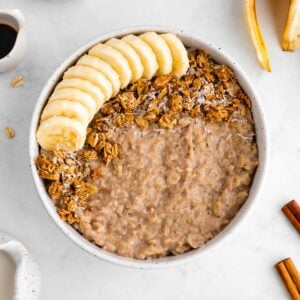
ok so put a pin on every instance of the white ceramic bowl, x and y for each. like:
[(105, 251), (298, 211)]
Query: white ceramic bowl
[(219, 56)]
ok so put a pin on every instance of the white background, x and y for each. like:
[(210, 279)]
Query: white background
[(241, 268)]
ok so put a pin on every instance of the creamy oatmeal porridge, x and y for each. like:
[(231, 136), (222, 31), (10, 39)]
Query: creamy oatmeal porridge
[(167, 163)]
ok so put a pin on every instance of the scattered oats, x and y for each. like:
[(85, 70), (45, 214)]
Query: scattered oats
[(17, 81), (9, 132)]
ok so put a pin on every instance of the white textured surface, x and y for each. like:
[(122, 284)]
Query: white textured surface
[(241, 268), (27, 277)]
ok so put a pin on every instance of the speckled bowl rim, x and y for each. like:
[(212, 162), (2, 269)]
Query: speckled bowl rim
[(262, 141)]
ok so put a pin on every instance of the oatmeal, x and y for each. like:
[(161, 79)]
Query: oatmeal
[(166, 165)]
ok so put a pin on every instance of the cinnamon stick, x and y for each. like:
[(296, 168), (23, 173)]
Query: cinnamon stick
[(293, 272), (295, 209), (289, 276), (292, 212)]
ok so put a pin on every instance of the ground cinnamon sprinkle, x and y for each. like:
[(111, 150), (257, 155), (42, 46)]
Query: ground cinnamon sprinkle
[(208, 90)]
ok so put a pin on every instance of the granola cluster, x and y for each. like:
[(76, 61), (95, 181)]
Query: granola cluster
[(65, 179), (208, 90)]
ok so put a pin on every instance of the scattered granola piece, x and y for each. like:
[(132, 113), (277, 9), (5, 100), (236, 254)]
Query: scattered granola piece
[(197, 83), (202, 59), (141, 122), (110, 152), (67, 216), (47, 168), (195, 112), (150, 116), (175, 103), (95, 173), (223, 72), (55, 190), (124, 119), (161, 81), (89, 154), (167, 121), (127, 101)]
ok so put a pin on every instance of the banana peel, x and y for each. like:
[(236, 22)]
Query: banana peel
[(291, 33), (255, 34)]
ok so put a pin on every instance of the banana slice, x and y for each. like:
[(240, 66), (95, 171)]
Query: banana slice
[(68, 109), (115, 59), (179, 54), (92, 76), (84, 86), (161, 50), (132, 57), (75, 95), (104, 68), (146, 54), (61, 133), (291, 34), (256, 35)]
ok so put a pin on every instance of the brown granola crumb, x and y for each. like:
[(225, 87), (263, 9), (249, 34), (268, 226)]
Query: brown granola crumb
[(95, 173), (223, 72), (141, 121), (110, 152), (161, 81), (195, 112), (47, 169), (175, 103), (127, 101), (55, 190), (89, 155), (167, 121)]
